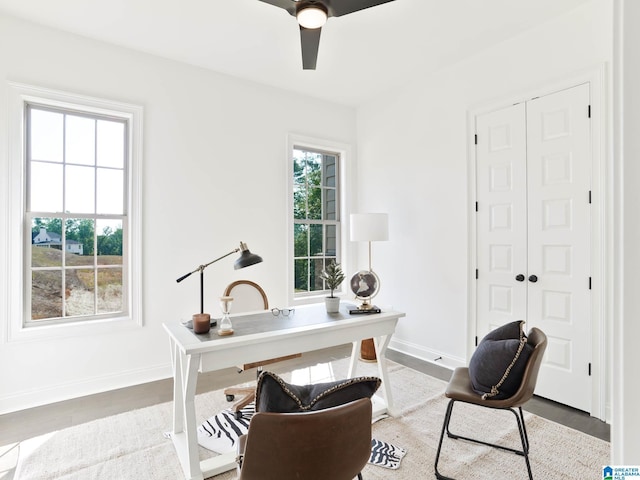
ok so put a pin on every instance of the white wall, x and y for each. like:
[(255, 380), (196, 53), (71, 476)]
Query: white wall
[(412, 148), (214, 174), (626, 356)]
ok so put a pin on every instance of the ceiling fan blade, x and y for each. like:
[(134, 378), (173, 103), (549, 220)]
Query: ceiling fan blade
[(288, 5), (310, 41), (343, 7)]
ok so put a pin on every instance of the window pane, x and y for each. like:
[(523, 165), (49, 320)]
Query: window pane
[(300, 240), (79, 241), (80, 189), (315, 204), (46, 187), (299, 202), (109, 242), (315, 246), (109, 290), (80, 140), (329, 171), (46, 242), (330, 204), (301, 275), (314, 169), (111, 144), (299, 170), (331, 240), (80, 298), (46, 135), (46, 294), (110, 191), (316, 266)]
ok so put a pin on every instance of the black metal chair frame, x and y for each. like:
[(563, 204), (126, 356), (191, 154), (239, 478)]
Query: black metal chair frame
[(459, 390), (522, 429)]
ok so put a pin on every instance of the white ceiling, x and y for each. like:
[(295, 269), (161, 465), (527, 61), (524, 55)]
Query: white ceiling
[(361, 54)]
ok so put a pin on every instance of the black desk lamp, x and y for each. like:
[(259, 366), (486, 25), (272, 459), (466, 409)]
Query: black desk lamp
[(246, 259)]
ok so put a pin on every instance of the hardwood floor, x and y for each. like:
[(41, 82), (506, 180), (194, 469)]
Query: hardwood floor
[(19, 426)]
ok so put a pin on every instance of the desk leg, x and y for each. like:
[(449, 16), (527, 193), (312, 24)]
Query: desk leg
[(381, 344), (355, 352), (185, 438)]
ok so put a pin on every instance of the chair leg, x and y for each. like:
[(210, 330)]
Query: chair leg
[(445, 427), (360, 476), (522, 429)]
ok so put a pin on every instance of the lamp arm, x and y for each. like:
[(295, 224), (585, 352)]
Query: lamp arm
[(202, 267)]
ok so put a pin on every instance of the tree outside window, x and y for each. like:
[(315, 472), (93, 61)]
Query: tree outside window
[(316, 218)]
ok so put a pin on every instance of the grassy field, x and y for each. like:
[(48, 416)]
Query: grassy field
[(46, 290)]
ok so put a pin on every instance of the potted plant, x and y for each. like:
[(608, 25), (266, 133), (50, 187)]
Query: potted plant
[(333, 277)]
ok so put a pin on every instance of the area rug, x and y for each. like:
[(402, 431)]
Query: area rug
[(132, 445)]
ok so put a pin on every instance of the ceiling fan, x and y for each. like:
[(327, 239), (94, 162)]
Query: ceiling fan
[(312, 15)]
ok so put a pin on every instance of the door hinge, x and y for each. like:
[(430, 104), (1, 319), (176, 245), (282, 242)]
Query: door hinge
[(475, 138), (589, 368), (476, 273), (589, 283), (589, 196), (476, 206), (476, 340), (589, 111)]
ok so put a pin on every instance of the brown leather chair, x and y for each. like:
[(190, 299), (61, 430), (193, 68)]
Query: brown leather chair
[(460, 390), (330, 444), (248, 296)]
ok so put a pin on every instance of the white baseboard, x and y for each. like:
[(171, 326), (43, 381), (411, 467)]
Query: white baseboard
[(428, 355), (36, 397)]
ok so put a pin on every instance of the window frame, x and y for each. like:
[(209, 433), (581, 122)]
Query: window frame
[(343, 151), (19, 327)]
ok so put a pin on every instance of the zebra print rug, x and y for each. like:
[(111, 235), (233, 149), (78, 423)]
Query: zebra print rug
[(220, 433)]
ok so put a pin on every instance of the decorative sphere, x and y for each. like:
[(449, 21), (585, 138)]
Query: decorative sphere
[(365, 284)]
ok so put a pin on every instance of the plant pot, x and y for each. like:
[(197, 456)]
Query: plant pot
[(332, 304)]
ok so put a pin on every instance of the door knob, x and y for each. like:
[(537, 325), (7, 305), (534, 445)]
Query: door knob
[(520, 277), (533, 279)]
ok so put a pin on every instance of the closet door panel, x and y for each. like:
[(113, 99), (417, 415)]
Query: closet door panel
[(558, 184), (501, 221)]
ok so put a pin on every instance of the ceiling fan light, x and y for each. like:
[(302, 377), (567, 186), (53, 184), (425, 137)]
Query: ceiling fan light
[(311, 17)]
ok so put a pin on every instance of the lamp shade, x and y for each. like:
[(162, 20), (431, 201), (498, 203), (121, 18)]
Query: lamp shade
[(246, 258), (369, 227)]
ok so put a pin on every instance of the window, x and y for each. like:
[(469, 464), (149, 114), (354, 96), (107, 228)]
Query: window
[(76, 207), (316, 217), (79, 162)]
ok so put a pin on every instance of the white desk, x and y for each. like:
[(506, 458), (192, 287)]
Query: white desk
[(257, 337)]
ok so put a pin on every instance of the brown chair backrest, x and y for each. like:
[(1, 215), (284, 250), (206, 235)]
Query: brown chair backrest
[(247, 296), (330, 444), (538, 340)]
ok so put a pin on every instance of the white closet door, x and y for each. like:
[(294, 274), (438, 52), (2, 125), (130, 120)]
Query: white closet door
[(501, 218), (558, 184)]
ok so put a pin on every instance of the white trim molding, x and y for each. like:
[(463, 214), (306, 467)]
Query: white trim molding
[(18, 96)]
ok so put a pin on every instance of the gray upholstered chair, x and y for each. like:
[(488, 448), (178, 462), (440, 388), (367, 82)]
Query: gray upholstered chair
[(248, 296), (334, 443), (460, 390)]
